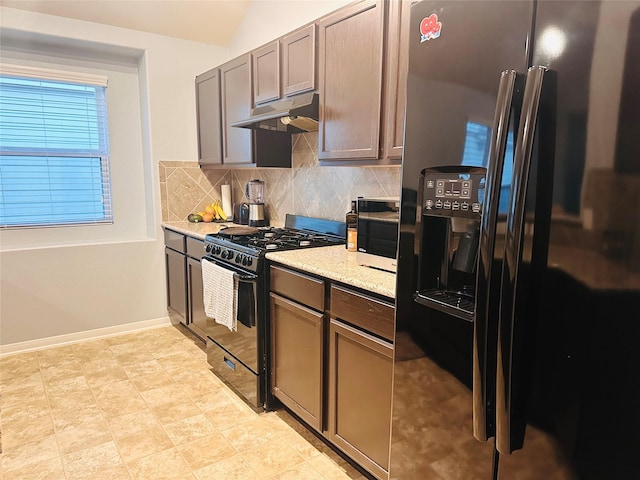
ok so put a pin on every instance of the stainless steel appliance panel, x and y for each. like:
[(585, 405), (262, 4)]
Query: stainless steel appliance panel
[(377, 238)]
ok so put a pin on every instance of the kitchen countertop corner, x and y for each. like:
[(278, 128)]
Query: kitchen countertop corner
[(198, 229), (337, 263)]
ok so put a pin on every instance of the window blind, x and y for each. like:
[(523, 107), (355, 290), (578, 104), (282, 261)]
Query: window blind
[(54, 149)]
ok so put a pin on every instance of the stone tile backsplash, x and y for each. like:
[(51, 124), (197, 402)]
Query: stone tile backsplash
[(305, 189)]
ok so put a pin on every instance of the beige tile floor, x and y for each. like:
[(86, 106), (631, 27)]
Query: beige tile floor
[(144, 406)]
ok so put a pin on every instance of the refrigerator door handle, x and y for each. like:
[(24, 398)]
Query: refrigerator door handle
[(509, 426), (509, 98)]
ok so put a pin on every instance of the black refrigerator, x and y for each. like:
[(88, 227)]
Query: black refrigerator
[(517, 347)]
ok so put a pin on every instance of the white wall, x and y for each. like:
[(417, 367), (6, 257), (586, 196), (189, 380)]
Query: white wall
[(267, 20), (66, 282), (59, 284)]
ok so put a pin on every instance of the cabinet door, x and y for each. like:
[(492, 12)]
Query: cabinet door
[(299, 61), (208, 117), (351, 46), (396, 68), (175, 264), (197, 318), (236, 105), (359, 406), (266, 73), (297, 358)]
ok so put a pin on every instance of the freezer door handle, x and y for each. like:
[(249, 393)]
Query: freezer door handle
[(508, 103), (510, 422)]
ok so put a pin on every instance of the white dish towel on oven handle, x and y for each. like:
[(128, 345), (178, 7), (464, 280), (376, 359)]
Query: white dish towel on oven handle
[(220, 293)]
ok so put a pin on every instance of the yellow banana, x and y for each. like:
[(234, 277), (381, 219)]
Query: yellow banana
[(220, 211)]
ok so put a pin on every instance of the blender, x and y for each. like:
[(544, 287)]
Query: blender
[(255, 194)]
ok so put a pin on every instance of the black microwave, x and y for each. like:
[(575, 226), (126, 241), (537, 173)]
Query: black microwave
[(378, 220)]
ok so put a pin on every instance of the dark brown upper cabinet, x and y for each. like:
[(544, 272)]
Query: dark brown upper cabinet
[(208, 117), (223, 96), (299, 61), (356, 57), (395, 85), (266, 73), (285, 67), (350, 82), (362, 82), (236, 102)]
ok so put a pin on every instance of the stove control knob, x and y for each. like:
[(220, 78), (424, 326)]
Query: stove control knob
[(245, 261), (224, 254), (238, 258), (208, 248), (249, 261), (218, 250)]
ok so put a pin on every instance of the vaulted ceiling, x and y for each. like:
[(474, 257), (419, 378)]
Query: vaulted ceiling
[(207, 21)]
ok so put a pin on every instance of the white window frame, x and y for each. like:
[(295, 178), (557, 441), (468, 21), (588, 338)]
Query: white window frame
[(98, 157)]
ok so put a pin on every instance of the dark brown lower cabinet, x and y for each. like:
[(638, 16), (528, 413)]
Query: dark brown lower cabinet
[(175, 264), (197, 318), (335, 375), (297, 358), (185, 302), (359, 396)]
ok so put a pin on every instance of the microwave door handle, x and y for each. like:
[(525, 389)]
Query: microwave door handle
[(509, 425), (509, 98)]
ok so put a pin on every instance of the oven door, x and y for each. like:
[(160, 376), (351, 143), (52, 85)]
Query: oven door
[(245, 344)]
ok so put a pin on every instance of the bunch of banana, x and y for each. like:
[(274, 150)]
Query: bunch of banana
[(211, 212), (218, 212)]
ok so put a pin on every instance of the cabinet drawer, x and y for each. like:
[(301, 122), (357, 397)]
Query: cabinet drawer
[(174, 240), (307, 290), (362, 311), (195, 248)]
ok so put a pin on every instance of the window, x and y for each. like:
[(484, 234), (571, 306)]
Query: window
[(54, 148)]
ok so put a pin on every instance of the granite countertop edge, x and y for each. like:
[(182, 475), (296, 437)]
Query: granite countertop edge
[(333, 262), (197, 230), (336, 263)]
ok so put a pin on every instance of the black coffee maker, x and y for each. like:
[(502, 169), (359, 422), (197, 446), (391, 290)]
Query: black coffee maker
[(450, 199)]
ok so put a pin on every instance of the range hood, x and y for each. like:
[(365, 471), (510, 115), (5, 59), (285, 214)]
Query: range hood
[(293, 115)]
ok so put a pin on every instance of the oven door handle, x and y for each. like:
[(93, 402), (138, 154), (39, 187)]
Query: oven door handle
[(250, 277), (245, 278)]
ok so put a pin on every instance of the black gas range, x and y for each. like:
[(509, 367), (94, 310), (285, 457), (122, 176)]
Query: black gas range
[(246, 246), (239, 357)]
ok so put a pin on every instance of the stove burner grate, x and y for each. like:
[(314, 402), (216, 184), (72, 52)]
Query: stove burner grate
[(273, 238)]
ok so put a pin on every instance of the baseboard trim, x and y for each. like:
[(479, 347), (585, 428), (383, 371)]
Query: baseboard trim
[(70, 338)]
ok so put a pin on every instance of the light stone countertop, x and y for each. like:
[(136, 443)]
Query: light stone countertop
[(336, 263), (199, 229)]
